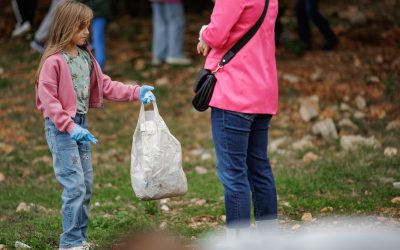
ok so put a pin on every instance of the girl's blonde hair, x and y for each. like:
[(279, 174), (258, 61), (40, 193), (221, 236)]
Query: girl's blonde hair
[(69, 18)]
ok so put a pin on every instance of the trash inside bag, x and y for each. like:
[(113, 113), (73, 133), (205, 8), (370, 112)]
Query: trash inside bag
[(156, 159)]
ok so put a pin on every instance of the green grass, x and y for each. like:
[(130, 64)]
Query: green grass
[(350, 183)]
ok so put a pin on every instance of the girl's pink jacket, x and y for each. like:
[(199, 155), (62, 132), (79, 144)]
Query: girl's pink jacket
[(55, 94), (248, 83)]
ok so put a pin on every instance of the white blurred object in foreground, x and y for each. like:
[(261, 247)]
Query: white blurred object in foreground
[(343, 234)]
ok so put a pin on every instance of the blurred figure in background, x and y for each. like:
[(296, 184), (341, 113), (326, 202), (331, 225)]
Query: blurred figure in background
[(168, 32), (278, 25), (101, 11), (40, 37), (308, 9), (24, 12)]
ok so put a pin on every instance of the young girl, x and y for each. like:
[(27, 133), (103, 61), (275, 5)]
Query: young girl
[(69, 82)]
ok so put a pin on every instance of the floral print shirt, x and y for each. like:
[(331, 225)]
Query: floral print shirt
[(80, 67)]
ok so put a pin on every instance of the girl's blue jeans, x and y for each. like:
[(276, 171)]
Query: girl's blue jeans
[(168, 30), (72, 165), (243, 167)]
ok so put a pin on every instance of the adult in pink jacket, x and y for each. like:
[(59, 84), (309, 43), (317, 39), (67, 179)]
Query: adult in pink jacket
[(243, 102)]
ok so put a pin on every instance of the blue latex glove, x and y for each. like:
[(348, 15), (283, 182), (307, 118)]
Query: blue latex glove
[(80, 134), (146, 96)]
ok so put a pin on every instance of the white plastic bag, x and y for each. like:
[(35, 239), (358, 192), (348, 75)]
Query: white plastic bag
[(156, 159)]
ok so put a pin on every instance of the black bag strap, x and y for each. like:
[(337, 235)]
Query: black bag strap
[(245, 39)]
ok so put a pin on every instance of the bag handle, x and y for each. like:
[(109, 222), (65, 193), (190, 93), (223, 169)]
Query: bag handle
[(141, 114), (243, 41)]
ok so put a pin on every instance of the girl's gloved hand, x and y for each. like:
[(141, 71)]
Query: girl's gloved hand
[(80, 134), (146, 96)]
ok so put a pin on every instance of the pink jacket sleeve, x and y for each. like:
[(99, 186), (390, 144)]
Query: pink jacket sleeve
[(48, 94), (119, 92), (225, 14)]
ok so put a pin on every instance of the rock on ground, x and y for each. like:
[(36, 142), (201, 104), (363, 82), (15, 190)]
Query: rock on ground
[(326, 128), (304, 143), (275, 144), (307, 217), (396, 200), (347, 123), (360, 102), (310, 157), (390, 151), (201, 170), (350, 142), (393, 125), (21, 246), (22, 207), (290, 78), (354, 15), (327, 210), (309, 108), (359, 115)]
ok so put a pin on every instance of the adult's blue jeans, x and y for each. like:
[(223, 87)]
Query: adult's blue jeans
[(98, 40), (72, 165), (243, 167), (168, 30)]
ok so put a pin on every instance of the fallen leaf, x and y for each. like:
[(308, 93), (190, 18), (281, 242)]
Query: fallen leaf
[(307, 217), (310, 157), (396, 200), (327, 210)]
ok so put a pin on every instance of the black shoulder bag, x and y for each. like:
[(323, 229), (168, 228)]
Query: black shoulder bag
[(206, 80)]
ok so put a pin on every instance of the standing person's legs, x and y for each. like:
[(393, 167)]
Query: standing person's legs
[(28, 9), (260, 174), (176, 29), (86, 162), (176, 25), (302, 22), (69, 173), (279, 26), (231, 135), (17, 12), (43, 31), (313, 13), (160, 44), (98, 40), (24, 12)]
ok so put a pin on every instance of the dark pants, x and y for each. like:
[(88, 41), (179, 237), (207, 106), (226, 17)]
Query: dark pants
[(241, 142), (24, 10), (308, 9)]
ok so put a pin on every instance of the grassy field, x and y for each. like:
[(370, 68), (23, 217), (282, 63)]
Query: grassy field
[(355, 182)]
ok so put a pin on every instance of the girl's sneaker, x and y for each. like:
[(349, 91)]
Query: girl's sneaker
[(73, 248), (86, 245)]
